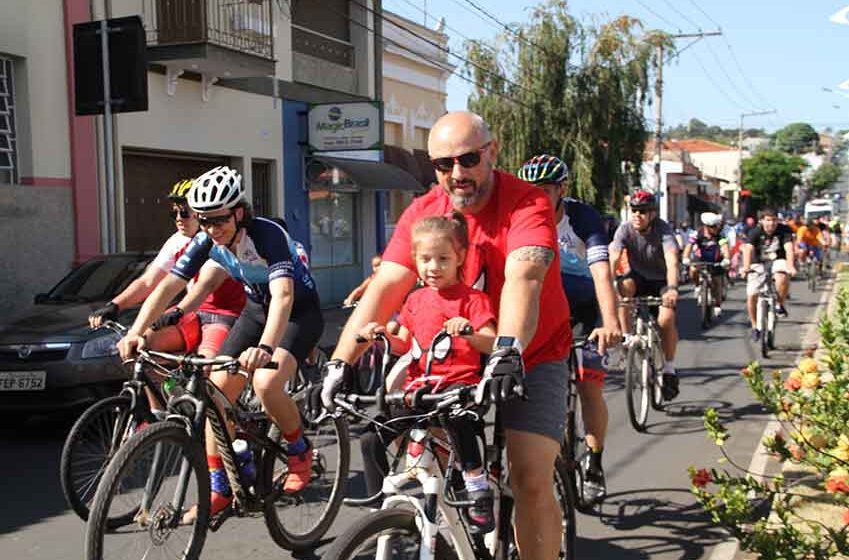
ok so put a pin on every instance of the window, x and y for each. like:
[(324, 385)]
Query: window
[(261, 188), (8, 139), (333, 228)]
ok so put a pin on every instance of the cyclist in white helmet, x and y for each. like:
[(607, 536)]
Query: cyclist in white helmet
[(281, 320), (708, 245)]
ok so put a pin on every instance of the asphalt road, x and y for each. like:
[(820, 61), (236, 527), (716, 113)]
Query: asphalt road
[(649, 513)]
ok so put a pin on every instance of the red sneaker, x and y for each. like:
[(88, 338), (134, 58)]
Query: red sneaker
[(300, 472)]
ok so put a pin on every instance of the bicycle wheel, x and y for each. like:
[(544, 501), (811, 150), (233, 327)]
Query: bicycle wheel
[(567, 501), (707, 309), (770, 328), (572, 458), (161, 471), (392, 532), (298, 521), (92, 442), (812, 276), (764, 328), (636, 387), (654, 384)]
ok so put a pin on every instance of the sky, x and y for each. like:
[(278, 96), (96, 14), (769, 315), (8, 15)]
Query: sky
[(773, 54)]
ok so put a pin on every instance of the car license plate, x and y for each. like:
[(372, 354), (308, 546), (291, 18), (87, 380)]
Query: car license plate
[(22, 380)]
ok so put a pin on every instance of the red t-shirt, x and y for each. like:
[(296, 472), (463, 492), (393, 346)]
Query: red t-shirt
[(425, 312), (228, 299), (517, 215)]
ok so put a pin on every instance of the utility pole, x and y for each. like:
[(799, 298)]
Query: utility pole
[(740, 143), (658, 131)]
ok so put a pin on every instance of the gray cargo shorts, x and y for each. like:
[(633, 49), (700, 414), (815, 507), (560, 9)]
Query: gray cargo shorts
[(544, 412)]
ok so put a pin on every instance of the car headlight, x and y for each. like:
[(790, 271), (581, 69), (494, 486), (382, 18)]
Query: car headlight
[(101, 347)]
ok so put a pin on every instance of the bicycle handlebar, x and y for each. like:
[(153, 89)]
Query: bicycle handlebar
[(651, 301)]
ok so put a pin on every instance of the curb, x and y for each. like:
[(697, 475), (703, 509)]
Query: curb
[(729, 549)]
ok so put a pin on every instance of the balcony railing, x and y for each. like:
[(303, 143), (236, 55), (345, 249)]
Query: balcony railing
[(240, 25), (319, 45)]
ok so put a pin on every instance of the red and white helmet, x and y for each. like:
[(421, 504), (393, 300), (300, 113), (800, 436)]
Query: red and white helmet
[(220, 187), (643, 199)]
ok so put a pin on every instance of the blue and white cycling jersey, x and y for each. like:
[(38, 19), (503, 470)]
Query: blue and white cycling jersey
[(583, 242), (266, 252)]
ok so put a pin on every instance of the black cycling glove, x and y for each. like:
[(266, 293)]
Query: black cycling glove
[(168, 319), (108, 312), (504, 376)]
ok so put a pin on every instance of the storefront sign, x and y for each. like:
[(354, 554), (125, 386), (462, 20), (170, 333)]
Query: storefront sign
[(345, 126)]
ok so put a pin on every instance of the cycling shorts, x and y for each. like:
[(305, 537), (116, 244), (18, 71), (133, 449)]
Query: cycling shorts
[(815, 249), (757, 276), (645, 286), (590, 365), (302, 332), (204, 332)]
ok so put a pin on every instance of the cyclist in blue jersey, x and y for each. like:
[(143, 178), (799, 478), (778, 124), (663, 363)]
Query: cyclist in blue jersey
[(585, 273), (281, 320)]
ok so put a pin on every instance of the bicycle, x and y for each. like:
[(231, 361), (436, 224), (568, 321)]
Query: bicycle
[(813, 269), (574, 451), (766, 317), (162, 469), (98, 433), (367, 375), (644, 361), (704, 290), (410, 526)]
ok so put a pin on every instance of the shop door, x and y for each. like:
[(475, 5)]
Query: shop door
[(335, 258), (148, 179)]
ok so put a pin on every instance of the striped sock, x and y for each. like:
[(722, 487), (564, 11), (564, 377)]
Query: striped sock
[(217, 475), (297, 444)]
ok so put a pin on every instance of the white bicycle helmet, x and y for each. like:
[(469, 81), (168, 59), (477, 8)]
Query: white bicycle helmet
[(220, 187), (710, 219)]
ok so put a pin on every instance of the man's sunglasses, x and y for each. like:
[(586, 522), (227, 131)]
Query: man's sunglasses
[(182, 212), (468, 160), (643, 211), (209, 221)]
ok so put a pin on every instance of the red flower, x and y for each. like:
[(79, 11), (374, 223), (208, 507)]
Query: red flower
[(746, 372), (835, 485), (797, 452), (846, 517), (701, 478)]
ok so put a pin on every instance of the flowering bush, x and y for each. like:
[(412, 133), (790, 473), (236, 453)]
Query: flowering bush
[(771, 516)]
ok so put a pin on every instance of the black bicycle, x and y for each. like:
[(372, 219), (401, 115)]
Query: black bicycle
[(160, 473), (100, 431), (704, 289)]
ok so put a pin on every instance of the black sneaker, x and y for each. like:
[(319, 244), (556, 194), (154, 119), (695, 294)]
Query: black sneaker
[(594, 487), (480, 515), (781, 311), (670, 386), (755, 335)]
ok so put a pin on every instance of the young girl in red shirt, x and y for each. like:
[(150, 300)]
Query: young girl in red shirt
[(439, 246)]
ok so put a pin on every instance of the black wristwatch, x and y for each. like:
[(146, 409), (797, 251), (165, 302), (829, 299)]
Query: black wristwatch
[(266, 348), (507, 342)]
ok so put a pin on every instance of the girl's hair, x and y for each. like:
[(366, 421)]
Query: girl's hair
[(452, 226)]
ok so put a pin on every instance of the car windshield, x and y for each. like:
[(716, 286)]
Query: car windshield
[(98, 279)]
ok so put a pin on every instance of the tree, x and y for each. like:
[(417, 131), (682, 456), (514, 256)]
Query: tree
[(796, 138), (771, 176), (826, 175), (576, 91)]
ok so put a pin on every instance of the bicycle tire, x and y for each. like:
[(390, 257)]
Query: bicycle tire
[(634, 380), (771, 322), (706, 304), (369, 527), (656, 400), (150, 438), (573, 449), (111, 413), (567, 499), (763, 326), (286, 536)]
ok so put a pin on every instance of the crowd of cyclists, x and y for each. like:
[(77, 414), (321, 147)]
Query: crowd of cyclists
[(510, 265)]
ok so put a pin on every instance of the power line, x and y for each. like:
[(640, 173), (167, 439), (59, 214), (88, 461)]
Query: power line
[(715, 83), (683, 15), (438, 46), (509, 29), (657, 15), (704, 13), (438, 63), (733, 83)]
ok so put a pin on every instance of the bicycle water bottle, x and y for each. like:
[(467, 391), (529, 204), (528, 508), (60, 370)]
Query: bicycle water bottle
[(245, 461)]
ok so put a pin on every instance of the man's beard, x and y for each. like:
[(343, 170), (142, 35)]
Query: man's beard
[(460, 201)]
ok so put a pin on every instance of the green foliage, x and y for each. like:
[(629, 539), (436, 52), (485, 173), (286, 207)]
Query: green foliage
[(796, 138), (768, 516), (771, 176), (579, 93), (698, 129), (826, 175)]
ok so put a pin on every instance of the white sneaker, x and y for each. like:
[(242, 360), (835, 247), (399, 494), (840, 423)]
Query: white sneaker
[(717, 311)]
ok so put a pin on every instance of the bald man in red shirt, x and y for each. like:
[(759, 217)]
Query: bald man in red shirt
[(513, 257)]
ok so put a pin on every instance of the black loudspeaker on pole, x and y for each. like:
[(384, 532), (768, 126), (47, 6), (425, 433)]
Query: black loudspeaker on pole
[(127, 66)]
